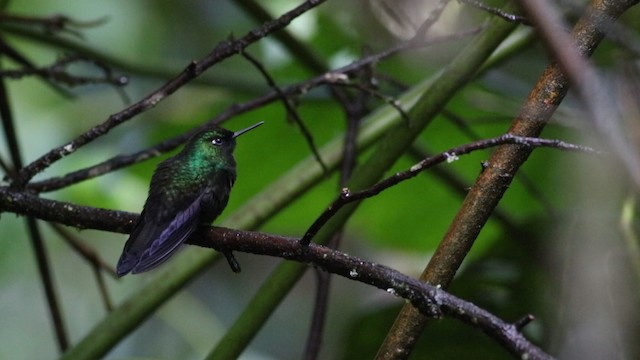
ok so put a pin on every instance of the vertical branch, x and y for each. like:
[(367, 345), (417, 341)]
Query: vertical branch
[(9, 131), (493, 182), (47, 282), (320, 306), (102, 288), (353, 114), (32, 226), (595, 97)]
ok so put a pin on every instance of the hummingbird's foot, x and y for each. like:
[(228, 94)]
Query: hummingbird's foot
[(233, 263)]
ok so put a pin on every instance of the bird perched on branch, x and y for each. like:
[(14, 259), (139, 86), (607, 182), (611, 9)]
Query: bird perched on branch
[(187, 191)]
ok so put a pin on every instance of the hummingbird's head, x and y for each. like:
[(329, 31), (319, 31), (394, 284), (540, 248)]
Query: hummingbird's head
[(212, 143), (216, 142)]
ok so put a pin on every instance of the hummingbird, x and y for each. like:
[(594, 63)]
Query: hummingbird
[(187, 191)]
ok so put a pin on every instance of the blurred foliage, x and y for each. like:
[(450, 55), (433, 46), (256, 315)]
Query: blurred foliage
[(154, 40)]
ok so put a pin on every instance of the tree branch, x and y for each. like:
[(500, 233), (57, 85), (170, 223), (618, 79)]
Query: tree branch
[(493, 182), (431, 300), (569, 52), (346, 196), (58, 72), (222, 51), (291, 111), (497, 12), (53, 24), (330, 77)]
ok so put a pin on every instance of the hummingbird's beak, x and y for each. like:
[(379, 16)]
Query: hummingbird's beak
[(240, 132)]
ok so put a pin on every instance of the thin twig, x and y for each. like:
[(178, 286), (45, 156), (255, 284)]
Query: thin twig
[(9, 129), (433, 17), (349, 149), (497, 12), (107, 166), (54, 23), (102, 287), (318, 318), (451, 155), (13, 54), (86, 252), (389, 100), (58, 72), (293, 114), (529, 185), (449, 178), (46, 277), (524, 321), (6, 168), (303, 53), (122, 161)]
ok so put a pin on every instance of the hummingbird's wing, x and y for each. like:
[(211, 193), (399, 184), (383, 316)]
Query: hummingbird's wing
[(154, 240)]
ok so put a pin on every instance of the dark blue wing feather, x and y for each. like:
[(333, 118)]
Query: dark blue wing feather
[(152, 242), (171, 238)]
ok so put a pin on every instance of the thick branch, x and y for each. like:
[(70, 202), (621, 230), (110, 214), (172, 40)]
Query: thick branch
[(491, 185), (81, 217), (430, 300), (569, 53)]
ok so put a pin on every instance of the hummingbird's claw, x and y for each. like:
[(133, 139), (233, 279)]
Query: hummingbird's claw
[(233, 263)]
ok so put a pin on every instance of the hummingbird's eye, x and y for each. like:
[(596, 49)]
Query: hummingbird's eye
[(217, 141)]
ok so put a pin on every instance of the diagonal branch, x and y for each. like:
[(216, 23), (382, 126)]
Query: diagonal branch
[(85, 251), (493, 182), (567, 51), (431, 300), (121, 161), (423, 107), (293, 114), (13, 54), (221, 52), (507, 16), (450, 155), (427, 93)]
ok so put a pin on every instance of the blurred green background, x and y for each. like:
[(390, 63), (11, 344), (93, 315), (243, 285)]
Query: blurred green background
[(508, 272)]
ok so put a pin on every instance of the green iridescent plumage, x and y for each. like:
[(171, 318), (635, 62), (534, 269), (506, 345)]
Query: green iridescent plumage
[(187, 191)]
